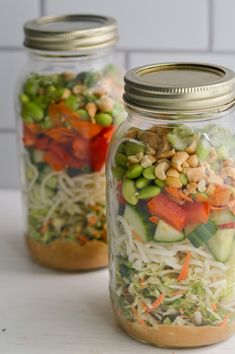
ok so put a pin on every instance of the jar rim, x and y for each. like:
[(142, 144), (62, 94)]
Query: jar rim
[(189, 88), (72, 32)]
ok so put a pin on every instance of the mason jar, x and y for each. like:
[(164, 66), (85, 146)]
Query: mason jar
[(68, 104), (171, 206)]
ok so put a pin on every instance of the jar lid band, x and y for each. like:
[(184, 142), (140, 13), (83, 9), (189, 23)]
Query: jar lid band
[(179, 87), (70, 32)]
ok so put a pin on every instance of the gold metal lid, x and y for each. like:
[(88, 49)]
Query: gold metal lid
[(179, 87), (70, 32)]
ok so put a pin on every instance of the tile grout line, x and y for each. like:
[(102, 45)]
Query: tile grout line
[(142, 50), (42, 5), (7, 131), (210, 25), (127, 59)]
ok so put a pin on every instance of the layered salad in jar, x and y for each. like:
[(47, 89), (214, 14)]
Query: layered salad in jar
[(172, 234), (68, 120)]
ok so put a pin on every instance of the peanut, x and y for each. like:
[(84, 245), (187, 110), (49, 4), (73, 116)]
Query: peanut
[(105, 104), (196, 174), (147, 161), (173, 182), (191, 187), (91, 109), (160, 170), (167, 154), (192, 160), (172, 173), (178, 159)]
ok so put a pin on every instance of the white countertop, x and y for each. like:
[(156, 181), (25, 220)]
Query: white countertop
[(49, 312)]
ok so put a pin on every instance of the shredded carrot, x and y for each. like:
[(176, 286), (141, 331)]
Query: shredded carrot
[(154, 219), (214, 307), (178, 292), (177, 194), (82, 239), (142, 283), (156, 303), (44, 228), (201, 198), (144, 306), (136, 236), (60, 134), (137, 316), (220, 196), (224, 322), (92, 219), (185, 268), (59, 112)]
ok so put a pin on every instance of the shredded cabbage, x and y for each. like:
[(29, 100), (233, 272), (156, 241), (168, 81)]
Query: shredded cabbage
[(146, 270)]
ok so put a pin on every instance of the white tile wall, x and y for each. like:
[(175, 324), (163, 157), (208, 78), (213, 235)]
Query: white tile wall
[(12, 14), (148, 24), (224, 25), (9, 172), (150, 31)]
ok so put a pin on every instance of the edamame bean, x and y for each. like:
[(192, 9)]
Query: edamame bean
[(149, 173), (24, 98), (118, 172), (51, 89), (129, 191), (134, 171), (71, 102), (183, 179), (141, 182), (31, 87), (159, 183), (83, 114), (103, 119), (133, 148), (25, 115), (33, 110), (121, 159), (149, 192)]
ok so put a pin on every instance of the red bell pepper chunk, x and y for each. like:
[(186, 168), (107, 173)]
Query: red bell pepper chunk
[(75, 163), (197, 213), (60, 152), (168, 210), (108, 132), (42, 143), (29, 139), (98, 150), (54, 160), (80, 148)]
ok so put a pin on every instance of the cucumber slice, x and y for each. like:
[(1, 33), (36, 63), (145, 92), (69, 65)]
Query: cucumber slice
[(138, 220), (201, 234), (166, 233), (38, 156), (220, 244), (221, 217), (231, 260)]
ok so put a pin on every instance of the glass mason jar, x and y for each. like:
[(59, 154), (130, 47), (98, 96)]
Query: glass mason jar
[(68, 104), (171, 206)]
